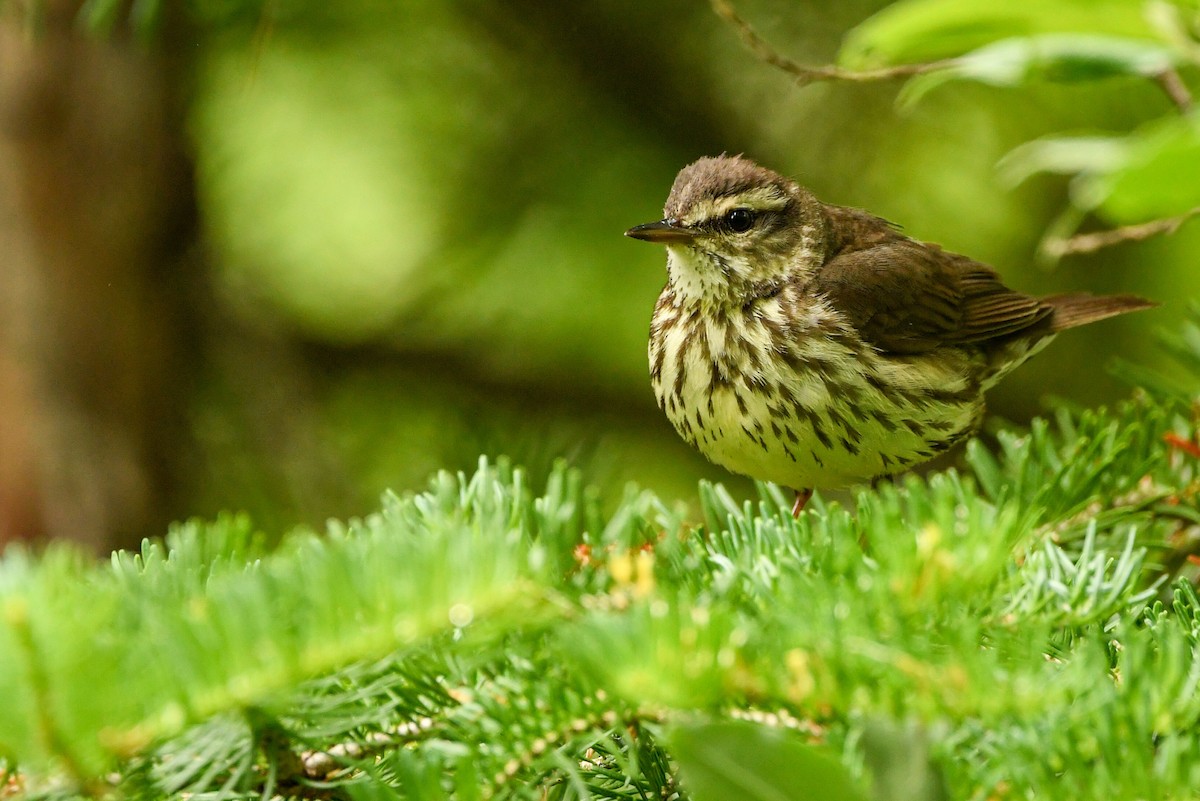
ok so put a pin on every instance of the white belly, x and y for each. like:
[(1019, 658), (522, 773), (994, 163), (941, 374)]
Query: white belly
[(809, 410)]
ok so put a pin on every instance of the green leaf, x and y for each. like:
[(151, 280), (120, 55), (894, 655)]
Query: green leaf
[(914, 31), (145, 16), (727, 760), (1061, 155), (1056, 57), (99, 16), (899, 759), (1158, 177)]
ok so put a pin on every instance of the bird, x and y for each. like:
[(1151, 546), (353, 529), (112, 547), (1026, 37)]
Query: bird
[(816, 346)]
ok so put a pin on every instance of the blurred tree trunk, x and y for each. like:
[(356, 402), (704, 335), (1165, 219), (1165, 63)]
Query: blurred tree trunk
[(97, 226)]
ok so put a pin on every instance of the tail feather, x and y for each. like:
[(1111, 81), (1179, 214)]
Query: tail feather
[(1081, 308)]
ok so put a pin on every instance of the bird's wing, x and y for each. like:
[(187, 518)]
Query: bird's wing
[(905, 296)]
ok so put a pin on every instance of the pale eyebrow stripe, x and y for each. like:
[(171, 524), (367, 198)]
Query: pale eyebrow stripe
[(759, 200)]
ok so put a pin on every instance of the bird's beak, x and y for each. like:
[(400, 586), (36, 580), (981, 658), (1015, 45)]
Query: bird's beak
[(663, 232)]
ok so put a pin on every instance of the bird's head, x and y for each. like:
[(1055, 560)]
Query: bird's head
[(734, 229)]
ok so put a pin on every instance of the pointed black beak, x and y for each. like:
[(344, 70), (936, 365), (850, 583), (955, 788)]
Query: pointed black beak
[(663, 232)]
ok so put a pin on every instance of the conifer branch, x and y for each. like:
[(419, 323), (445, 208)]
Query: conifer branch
[(457, 639)]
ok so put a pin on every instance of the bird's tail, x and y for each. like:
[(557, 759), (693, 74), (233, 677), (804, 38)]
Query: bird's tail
[(1081, 308)]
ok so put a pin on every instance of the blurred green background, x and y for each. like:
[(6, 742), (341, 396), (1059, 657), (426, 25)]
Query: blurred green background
[(406, 243)]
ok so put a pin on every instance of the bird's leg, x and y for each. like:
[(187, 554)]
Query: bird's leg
[(802, 497)]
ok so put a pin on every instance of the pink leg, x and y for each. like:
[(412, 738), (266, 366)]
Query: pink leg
[(802, 497)]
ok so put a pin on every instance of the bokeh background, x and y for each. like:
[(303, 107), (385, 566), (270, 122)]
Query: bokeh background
[(281, 257)]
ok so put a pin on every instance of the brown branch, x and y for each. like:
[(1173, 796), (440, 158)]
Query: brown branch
[(1091, 242), (804, 74), (1176, 89), (1169, 80)]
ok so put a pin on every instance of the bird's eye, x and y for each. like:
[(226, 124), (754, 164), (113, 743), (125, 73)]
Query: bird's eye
[(739, 220)]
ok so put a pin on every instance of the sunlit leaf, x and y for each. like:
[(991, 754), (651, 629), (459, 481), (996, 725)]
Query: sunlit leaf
[(722, 761), (1061, 155), (1158, 177), (1057, 57), (927, 30)]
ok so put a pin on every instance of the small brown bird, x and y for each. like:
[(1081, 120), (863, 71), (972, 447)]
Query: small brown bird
[(815, 345)]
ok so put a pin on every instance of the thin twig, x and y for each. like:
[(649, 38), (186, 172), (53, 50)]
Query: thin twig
[(1168, 79), (1175, 88), (804, 74), (1091, 242)]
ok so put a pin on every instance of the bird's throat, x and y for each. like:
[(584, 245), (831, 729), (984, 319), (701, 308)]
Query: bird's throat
[(701, 277)]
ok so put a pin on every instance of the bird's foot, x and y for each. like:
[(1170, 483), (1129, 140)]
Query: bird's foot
[(802, 497)]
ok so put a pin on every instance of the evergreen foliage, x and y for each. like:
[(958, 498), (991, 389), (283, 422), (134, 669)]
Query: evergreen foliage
[(1025, 628)]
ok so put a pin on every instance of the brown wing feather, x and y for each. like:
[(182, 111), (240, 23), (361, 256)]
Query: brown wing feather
[(905, 296)]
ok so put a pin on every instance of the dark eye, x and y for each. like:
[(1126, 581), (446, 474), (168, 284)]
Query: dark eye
[(739, 220)]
